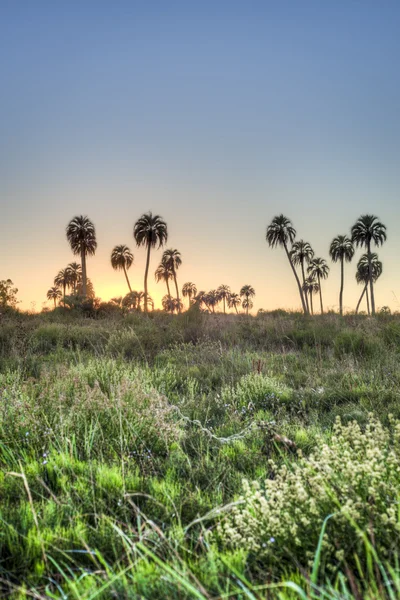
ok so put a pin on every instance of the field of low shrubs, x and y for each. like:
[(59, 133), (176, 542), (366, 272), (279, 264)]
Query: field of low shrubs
[(199, 456)]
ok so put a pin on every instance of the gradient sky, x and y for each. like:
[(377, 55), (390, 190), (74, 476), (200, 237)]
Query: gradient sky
[(216, 115)]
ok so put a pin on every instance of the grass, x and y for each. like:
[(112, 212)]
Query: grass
[(126, 443)]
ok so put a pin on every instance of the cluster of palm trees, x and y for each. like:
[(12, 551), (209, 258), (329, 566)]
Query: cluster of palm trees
[(150, 231), (366, 231)]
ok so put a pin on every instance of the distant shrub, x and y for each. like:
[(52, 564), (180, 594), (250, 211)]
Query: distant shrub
[(356, 343)]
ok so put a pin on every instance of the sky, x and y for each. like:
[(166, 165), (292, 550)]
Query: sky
[(215, 115)]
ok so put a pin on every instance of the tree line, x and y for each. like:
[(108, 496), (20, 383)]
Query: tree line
[(150, 231)]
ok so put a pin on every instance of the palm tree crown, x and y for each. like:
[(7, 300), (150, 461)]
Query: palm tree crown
[(173, 260), (81, 235), (189, 290), (122, 259), (318, 269), (234, 301), (75, 274), (149, 231), (363, 274), (54, 294), (224, 292), (301, 252), (63, 279), (247, 292), (341, 249)]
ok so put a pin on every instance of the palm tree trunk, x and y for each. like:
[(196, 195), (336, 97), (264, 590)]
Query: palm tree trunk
[(361, 297), (177, 290), (83, 260), (311, 302), (224, 304), (190, 299), (55, 302), (341, 286), (297, 279), (304, 281), (169, 291), (236, 309), (64, 286), (366, 291), (371, 283), (320, 295), (127, 280), (146, 272)]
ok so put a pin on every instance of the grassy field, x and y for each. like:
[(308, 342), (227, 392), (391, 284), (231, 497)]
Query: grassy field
[(199, 456)]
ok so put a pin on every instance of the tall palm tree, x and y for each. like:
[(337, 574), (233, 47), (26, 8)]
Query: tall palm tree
[(362, 274), (234, 301), (81, 235), (247, 292), (149, 231), (341, 249), (280, 233), (173, 260), (366, 230), (310, 287), (74, 274), (318, 269), (301, 253), (163, 272), (189, 290), (55, 294), (224, 292), (122, 259), (63, 279)]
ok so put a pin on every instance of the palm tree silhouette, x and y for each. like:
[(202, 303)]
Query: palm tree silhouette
[(171, 304), (189, 291), (310, 287), (122, 259), (173, 261), (341, 249), (301, 253), (55, 294), (366, 230), (81, 235), (362, 274), (74, 274), (201, 298), (63, 279), (149, 231), (211, 299), (234, 301), (280, 233), (318, 269), (224, 292), (163, 272), (247, 292), (90, 293)]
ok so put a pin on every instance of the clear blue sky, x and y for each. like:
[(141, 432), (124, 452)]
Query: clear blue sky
[(216, 115)]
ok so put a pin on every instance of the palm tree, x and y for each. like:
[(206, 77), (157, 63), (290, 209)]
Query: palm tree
[(247, 292), (234, 301), (89, 289), (301, 253), (366, 230), (171, 304), (224, 292), (211, 299), (173, 261), (149, 231), (74, 274), (122, 259), (201, 298), (310, 287), (189, 290), (62, 279), (280, 233), (163, 272), (362, 274), (342, 250), (55, 294), (81, 235), (318, 269)]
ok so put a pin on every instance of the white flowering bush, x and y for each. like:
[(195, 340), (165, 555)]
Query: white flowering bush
[(355, 477)]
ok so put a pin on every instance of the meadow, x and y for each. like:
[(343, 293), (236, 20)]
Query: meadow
[(199, 456)]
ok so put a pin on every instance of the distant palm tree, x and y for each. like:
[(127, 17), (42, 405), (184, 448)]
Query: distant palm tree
[(149, 231), (318, 269), (362, 274), (122, 259), (131, 300), (234, 301), (163, 272), (171, 304), (224, 292), (201, 298), (247, 292), (310, 287), (189, 290), (173, 260), (366, 230), (117, 301), (74, 274), (55, 294), (90, 293), (301, 253), (63, 279), (280, 233), (342, 250), (211, 299), (81, 235)]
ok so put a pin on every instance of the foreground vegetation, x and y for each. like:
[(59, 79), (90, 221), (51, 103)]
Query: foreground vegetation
[(199, 456)]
